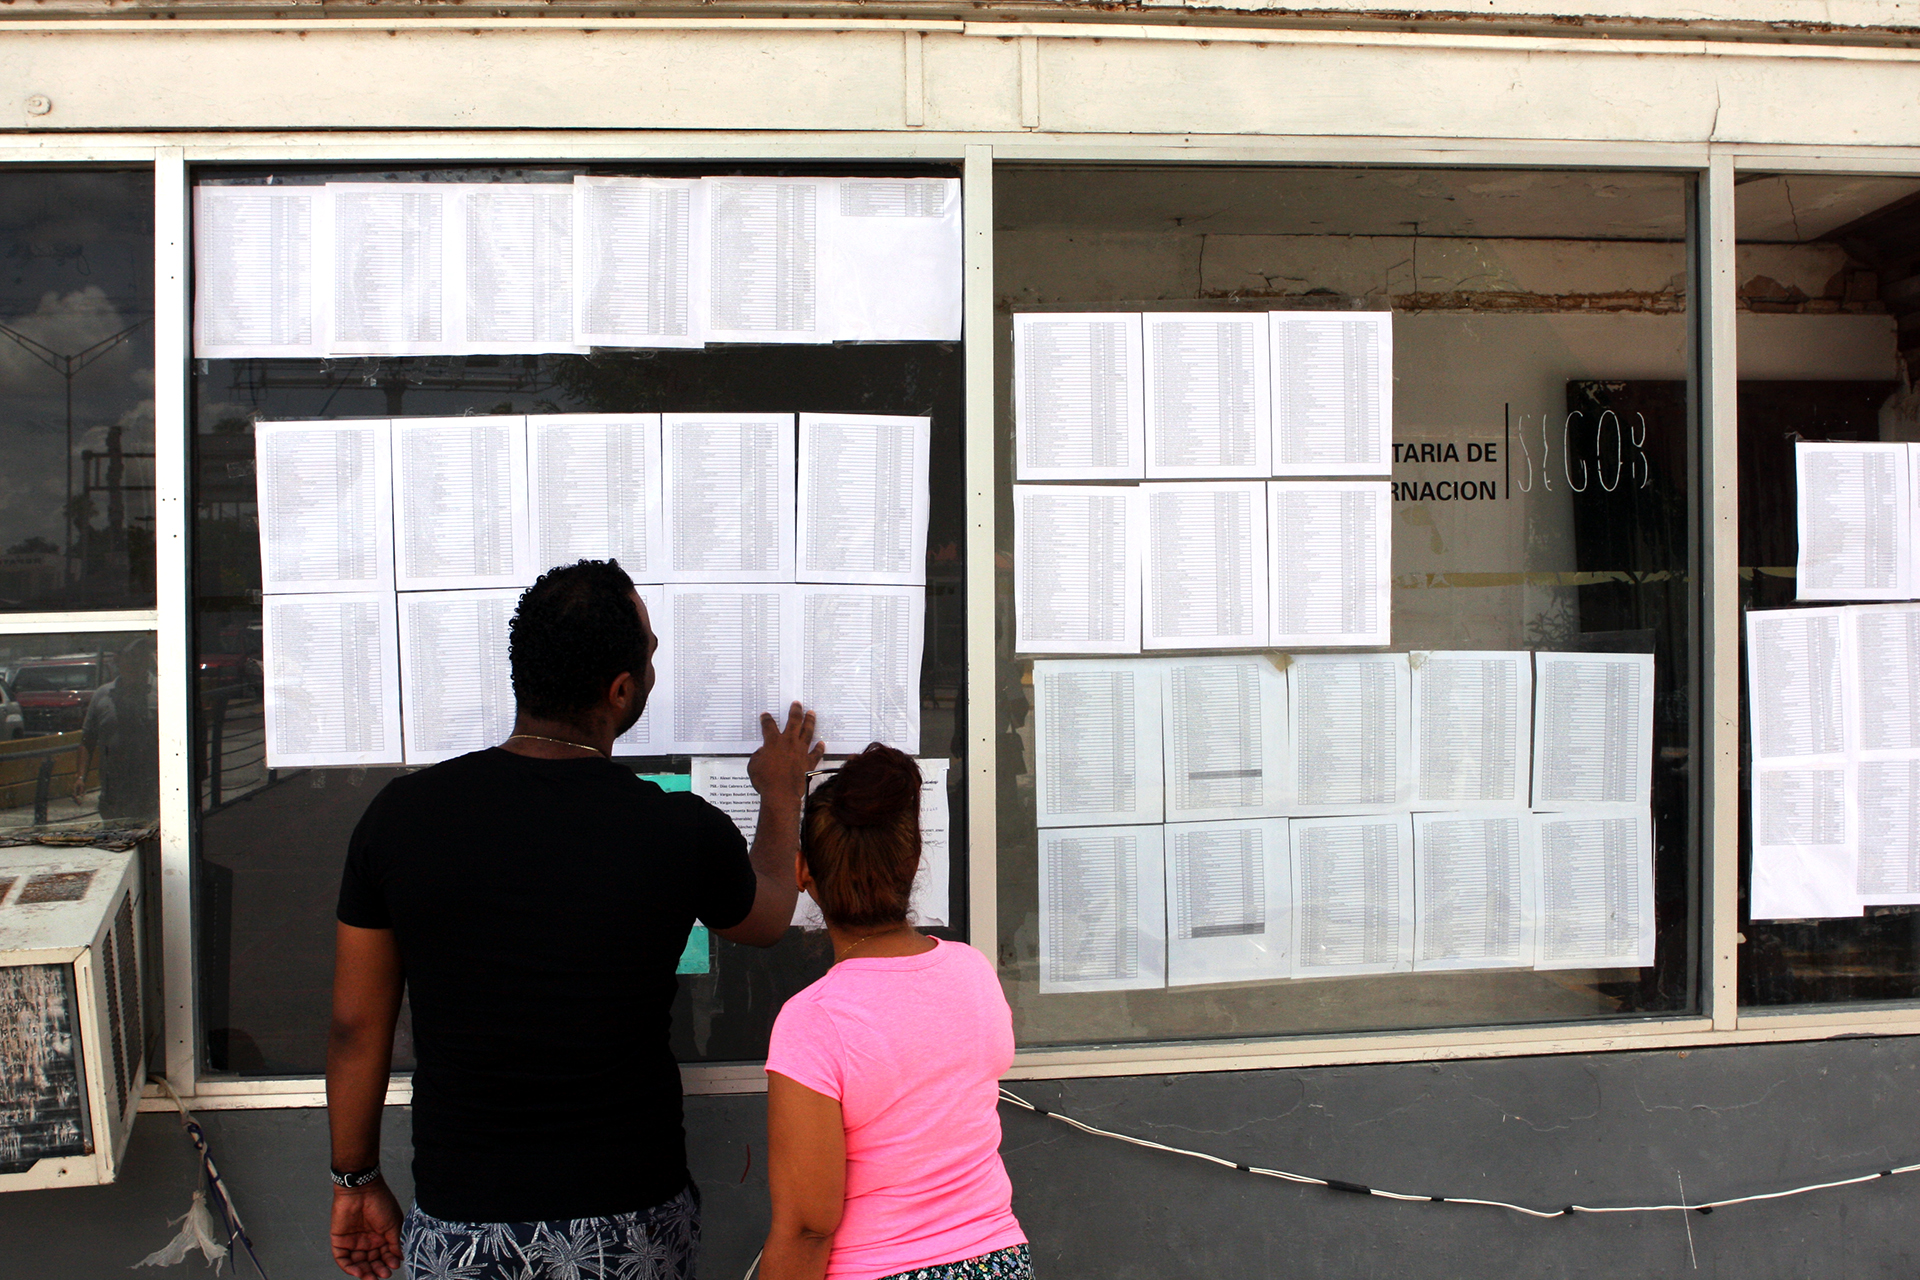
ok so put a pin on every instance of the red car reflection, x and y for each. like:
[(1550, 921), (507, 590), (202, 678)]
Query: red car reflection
[(54, 692)]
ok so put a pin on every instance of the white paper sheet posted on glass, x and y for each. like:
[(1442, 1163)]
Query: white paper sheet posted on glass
[(1887, 830), (1472, 728), (1076, 569), (640, 261), (1347, 718), (1206, 395), (860, 650), (863, 498), (1096, 743), (1228, 752), (1228, 891), (1592, 730), (512, 268), (1352, 895), (729, 495), (736, 655), (1078, 388), (1331, 552), (460, 511), (595, 485), (894, 264), (387, 258), (1102, 909), (1332, 392), (1801, 673), (1855, 517), (326, 506), (332, 680), (456, 688), (1473, 890), (1798, 663), (1883, 652), (764, 240), (1205, 581), (1805, 843), (253, 272), (1595, 881)]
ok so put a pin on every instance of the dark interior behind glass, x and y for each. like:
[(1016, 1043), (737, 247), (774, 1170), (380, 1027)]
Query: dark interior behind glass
[(1827, 336), (272, 841)]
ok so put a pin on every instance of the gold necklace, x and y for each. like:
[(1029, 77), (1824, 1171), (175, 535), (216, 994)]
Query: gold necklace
[(560, 742), (870, 937)]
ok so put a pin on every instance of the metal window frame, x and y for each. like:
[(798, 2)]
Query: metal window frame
[(1715, 166)]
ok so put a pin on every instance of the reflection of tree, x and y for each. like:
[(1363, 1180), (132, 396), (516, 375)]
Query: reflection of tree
[(1555, 624)]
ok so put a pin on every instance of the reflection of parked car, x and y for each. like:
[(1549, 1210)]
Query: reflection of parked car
[(234, 666), (13, 721), (54, 692)]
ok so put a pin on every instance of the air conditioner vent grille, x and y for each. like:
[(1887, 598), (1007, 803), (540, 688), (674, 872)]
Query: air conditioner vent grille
[(132, 1035)]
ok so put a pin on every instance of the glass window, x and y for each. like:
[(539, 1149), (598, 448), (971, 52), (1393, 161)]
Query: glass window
[(1825, 342), (79, 742), (272, 841), (76, 390), (1542, 503)]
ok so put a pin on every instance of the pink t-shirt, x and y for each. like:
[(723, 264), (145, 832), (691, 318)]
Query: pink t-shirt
[(913, 1048)]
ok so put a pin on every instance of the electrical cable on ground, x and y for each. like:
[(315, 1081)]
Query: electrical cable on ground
[(1335, 1184), (195, 1231)]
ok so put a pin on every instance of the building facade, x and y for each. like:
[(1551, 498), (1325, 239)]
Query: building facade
[(1687, 220)]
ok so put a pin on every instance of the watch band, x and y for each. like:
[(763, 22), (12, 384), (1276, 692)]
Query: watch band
[(354, 1181)]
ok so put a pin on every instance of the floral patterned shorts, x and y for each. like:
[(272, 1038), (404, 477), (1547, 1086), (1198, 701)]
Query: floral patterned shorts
[(652, 1244), (1015, 1263)]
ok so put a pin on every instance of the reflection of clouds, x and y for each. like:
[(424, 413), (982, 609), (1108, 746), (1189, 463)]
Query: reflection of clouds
[(136, 431)]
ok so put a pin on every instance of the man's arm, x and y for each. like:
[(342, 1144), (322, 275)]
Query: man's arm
[(779, 772), (806, 1179), (367, 983)]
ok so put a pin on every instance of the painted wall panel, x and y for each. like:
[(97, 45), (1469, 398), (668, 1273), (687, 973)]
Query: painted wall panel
[(1152, 87), (972, 84), (441, 78), (560, 79)]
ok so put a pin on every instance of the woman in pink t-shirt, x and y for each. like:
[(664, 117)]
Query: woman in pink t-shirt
[(883, 1126)]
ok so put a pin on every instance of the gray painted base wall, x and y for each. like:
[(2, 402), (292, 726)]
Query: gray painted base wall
[(1599, 1129)]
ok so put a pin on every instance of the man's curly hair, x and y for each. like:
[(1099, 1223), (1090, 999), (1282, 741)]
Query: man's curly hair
[(573, 632)]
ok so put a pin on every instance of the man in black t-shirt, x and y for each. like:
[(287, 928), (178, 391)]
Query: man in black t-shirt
[(532, 899)]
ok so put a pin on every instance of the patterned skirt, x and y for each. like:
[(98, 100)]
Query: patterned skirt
[(1014, 1263), (652, 1244)]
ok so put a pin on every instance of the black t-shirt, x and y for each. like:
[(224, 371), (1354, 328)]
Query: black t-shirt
[(540, 907)]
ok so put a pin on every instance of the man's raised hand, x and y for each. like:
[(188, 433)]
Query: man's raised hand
[(779, 768)]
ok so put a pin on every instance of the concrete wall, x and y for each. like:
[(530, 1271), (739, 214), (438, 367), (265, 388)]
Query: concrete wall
[(1598, 1129)]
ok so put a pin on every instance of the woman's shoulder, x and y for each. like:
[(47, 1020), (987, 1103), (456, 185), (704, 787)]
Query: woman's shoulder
[(966, 959)]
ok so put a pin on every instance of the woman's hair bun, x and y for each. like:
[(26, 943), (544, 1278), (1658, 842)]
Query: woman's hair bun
[(874, 787)]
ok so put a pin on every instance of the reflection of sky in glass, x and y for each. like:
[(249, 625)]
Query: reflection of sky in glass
[(76, 267)]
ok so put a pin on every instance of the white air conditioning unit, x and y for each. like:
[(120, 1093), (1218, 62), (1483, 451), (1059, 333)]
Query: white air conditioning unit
[(72, 1030)]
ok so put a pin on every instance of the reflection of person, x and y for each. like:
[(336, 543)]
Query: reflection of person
[(883, 1129), (121, 733), (534, 899)]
